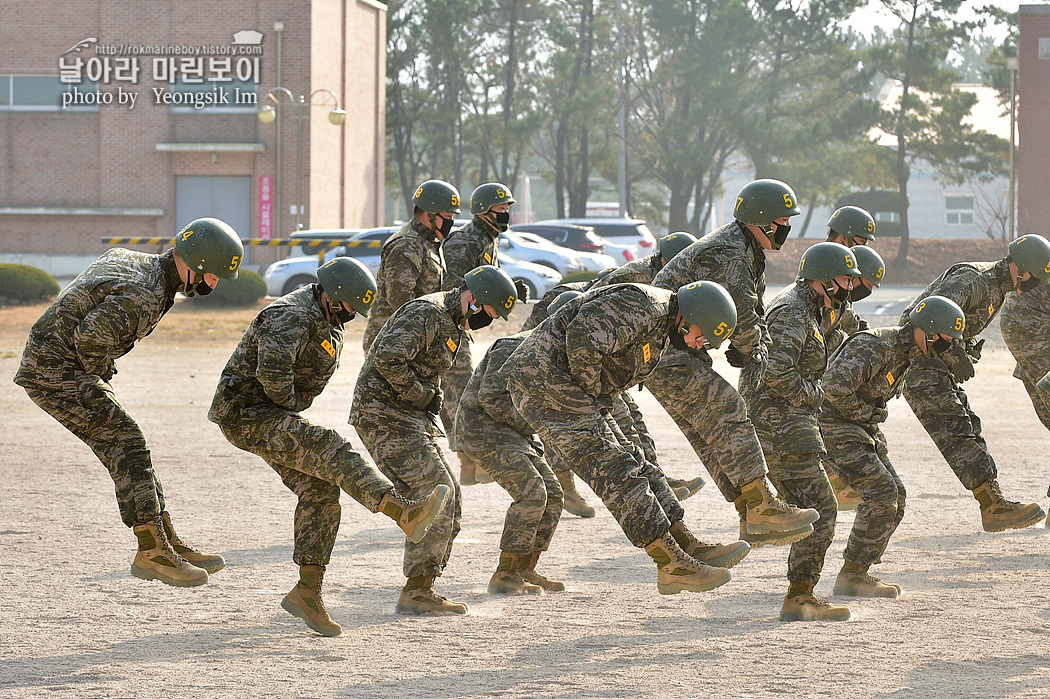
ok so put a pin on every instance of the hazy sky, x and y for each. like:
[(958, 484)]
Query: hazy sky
[(875, 15)]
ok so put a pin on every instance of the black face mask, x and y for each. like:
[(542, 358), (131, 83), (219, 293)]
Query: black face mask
[(478, 318), (861, 291), (1028, 284), (446, 226), (780, 235), (341, 316), (200, 288), (938, 346), (502, 220), (677, 338), (841, 296)]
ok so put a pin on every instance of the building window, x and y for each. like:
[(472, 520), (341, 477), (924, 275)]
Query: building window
[(888, 216), (958, 209), (46, 93), (228, 97)]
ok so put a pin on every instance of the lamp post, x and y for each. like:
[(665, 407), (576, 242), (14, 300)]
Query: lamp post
[(1012, 64), (270, 113)]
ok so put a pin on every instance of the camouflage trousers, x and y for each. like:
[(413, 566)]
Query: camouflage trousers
[(628, 417), (574, 426), (859, 456), (712, 416), (944, 411), (453, 382), (1026, 336), (89, 409), (315, 463), (801, 481), (415, 464), (534, 514)]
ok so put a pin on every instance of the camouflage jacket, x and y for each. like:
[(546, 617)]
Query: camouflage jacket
[(539, 309), (286, 357), (415, 347), (868, 370), (99, 317), (471, 246), (487, 416), (607, 340), (640, 271), (411, 265), (978, 287), (783, 407), (732, 257), (841, 324)]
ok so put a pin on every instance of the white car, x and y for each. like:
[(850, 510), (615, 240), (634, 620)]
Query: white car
[(561, 259), (592, 261), (632, 232), (538, 278)]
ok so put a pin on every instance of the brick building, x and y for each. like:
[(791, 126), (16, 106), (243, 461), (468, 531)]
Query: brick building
[(1033, 119), (79, 160)]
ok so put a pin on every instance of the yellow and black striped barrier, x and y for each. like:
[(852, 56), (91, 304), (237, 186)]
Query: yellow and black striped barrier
[(322, 244)]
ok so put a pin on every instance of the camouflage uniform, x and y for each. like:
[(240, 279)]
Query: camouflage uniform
[(869, 369), (1025, 323), (68, 363), (640, 271), (935, 395), (411, 265), (473, 245), (563, 379), (494, 434), (282, 363), (784, 411), (539, 309), (706, 407), (841, 324), (415, 347)]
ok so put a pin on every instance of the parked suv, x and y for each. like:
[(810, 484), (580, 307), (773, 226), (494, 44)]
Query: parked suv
[(567, 235), (632, 232)]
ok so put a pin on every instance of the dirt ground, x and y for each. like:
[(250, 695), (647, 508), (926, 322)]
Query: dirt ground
[(973, 620)]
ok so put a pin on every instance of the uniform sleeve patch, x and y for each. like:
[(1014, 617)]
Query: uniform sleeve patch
[(451, 344), (890, 377), (328, 348), (991, 310), (816, 334), (646, 352), (833, 316), (488, 258)]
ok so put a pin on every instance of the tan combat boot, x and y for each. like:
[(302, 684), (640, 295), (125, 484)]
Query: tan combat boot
[(848, 499), (715, 555), (999, 514), (414, 516), (766, 512), (574, 502), (305, 602), (418, 597), (211, 562), (757, 541), (800, 604), (686, 489), (680, 572), (855, 581), (157, 560), (507, 580), (528, 572)]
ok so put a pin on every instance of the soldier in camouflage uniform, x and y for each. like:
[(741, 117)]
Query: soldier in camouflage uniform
[(283, 362), (467, 248), (540, 309), (68, 364), (934, 389), (783, 407), (708, 410), (396, 403), (851, 226), (411, 263), (869, 369), (563, 378), (493, 434)]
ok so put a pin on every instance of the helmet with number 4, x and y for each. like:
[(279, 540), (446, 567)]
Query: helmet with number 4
[(671, 245), (825, 261), (210, 246), (1031, 253), (488, 195), (435, 196), (852, 222), (708, 306), (347, 280), (936, 315), (492, 287), (760, 202)]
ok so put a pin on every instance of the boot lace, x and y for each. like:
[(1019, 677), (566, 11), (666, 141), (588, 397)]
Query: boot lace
[(998, 500)]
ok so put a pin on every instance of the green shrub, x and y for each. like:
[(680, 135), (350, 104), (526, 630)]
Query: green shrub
[(578, 277), (25, 283), (245, 290)]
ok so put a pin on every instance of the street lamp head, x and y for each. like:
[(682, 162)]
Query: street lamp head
[(267, 114), (336, 116), (1012, 64)]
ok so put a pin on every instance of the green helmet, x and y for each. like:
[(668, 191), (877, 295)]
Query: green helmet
[(435, 196), (492, 287), (210, 246), (560, 300), (488, 195), (935, 315), (852, 222), (671, 245), (825, 261), (345, 279), (760, 202), (870, 264), (708, 306), (1031, 253)]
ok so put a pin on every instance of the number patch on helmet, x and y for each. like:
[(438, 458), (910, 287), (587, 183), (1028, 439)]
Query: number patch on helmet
[(960, 323), (739, 201), (418, 194), (509, 303), (455, 200), (721, 329), (368, 296), (881, 271), (235, 262), (849, 261), (186, 235), (788, 202)]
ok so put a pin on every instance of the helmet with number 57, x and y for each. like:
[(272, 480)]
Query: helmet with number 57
[(491, 286), (825, 261), (347, 280), (708, 306), (760, 202), (210, 246)]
